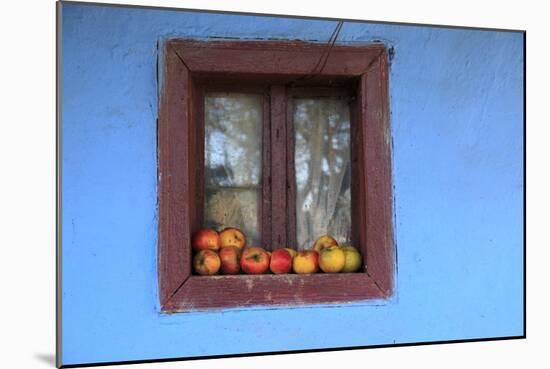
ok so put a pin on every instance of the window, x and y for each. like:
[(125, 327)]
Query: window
[(281, 186)]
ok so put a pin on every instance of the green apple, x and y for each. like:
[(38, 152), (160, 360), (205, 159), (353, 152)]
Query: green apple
[(353, 259)]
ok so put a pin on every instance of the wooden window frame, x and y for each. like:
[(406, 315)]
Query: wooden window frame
[(191, 67)]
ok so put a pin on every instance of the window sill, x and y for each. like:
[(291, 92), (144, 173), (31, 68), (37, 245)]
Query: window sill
[(230, 291)]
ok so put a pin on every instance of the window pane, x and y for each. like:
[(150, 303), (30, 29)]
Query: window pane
[(233, 162), (233, 139), (322, 165), (233, 208)]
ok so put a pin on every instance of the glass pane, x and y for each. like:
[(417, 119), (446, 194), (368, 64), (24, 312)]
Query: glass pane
[(233, 162), (322, 164), (233, 139), (233, 208)]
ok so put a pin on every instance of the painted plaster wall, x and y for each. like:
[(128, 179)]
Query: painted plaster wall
[(456, 115)]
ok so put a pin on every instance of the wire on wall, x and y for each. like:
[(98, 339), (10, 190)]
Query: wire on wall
[(321, 63)]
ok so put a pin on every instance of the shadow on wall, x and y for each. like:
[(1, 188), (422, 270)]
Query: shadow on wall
[(46, 358)]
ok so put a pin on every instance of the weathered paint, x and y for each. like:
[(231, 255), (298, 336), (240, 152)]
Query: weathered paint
[(456, 114)]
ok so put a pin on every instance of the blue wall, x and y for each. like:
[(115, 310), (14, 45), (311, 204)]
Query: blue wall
[(457, 125)]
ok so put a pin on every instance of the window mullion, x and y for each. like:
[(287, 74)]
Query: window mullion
[(291, 175), (279, 208), (265, 204)]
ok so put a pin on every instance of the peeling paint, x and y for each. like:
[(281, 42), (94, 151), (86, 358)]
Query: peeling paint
[(249, 283)]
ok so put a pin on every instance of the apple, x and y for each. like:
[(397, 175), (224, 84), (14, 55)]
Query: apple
[(332, 259), (254, 260), (306, 262), (206, 239), (233, 237), (281, 261), (324, 241), (229, 257), (206, 262), (353, 259), (292, 252), (268, 271)]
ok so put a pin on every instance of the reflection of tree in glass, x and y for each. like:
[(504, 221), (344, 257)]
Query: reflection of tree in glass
[(322, 165), (233, 152), (233, 208), (233, 139)]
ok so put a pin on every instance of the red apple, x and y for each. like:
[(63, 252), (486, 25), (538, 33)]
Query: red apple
[(281, 261), (229, 257), (254, 260), (306, 262), (268, 271), (206, 262), (206, 239), (233, 237)]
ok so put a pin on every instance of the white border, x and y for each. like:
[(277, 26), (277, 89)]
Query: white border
[(27, 29)]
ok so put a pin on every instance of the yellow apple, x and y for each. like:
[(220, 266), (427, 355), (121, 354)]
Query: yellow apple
[(306, 262), (233, 237), (324, 241), (292, 252), (332, 259)]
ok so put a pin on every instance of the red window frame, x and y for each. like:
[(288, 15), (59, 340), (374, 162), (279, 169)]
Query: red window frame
[(280, 70)]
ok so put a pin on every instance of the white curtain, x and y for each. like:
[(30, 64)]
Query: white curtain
[(322, 165)]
